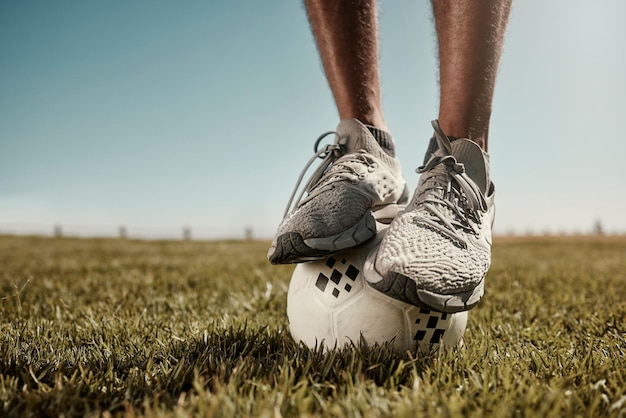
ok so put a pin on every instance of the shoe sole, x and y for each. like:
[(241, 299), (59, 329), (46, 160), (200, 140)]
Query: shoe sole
[(290, 247), (403, 288)]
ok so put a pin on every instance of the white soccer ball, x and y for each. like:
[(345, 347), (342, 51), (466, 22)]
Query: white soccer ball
[(330, 303)]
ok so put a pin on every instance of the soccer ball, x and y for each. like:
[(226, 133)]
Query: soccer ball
[(329, 302)]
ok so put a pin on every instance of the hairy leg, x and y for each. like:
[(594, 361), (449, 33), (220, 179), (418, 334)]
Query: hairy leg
[(470, 35), (345, 32)]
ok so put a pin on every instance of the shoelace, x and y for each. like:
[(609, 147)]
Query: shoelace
[(465, 201), (332, 155)]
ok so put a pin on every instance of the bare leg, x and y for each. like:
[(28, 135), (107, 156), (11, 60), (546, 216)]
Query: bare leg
[(471, 35), (346, 35)]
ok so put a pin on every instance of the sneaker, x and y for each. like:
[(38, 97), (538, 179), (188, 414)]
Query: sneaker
[(438, 250), (356, 184)]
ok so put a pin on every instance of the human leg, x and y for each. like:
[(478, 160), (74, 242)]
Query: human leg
[(346, 34), (437, 252), (470, 38), (360, 181)]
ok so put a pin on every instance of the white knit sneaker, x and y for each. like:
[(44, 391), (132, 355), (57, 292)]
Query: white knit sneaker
[(357, 184), (437, 252)]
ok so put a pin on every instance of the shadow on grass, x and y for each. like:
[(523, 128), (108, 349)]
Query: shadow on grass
[(239, 358)]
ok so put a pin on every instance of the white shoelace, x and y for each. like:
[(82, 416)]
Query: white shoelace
[(343, 168), (449, 186)]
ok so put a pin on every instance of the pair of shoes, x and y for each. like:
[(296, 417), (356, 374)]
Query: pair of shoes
[(437, 249)]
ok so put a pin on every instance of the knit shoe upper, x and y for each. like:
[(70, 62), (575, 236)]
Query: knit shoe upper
[(438, 250), (356, 184)]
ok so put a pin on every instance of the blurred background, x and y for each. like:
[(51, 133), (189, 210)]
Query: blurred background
[(158, 119)]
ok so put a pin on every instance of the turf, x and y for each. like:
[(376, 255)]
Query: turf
[(159, 329)]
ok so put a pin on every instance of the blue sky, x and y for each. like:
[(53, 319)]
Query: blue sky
[(159, 114)]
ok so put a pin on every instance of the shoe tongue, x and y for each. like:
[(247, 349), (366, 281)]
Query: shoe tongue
[(475, 160), (355, 136)]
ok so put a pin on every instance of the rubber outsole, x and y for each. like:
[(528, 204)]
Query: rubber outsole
[(290, 247), (403, 288)]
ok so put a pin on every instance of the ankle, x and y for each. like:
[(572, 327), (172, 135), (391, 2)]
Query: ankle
[(478, 133), (366, 113)]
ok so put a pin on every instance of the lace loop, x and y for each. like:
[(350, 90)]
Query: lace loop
[(327, 148)]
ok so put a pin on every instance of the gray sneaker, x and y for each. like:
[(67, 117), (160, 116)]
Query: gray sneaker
[(356, 184), (436, 253)]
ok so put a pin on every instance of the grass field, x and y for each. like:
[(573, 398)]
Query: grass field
[(135, 328)]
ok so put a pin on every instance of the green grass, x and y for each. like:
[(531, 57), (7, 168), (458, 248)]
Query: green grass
[(132, 328)]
